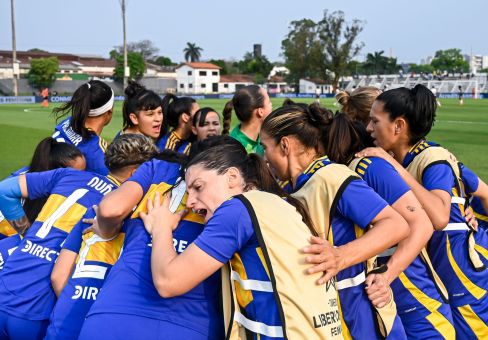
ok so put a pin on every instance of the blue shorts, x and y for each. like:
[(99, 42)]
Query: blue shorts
[(12, 327), (471, 320), (106, 326)]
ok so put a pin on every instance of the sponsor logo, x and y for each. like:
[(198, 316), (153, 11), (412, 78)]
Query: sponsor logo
[(40, 251), (85, 293)]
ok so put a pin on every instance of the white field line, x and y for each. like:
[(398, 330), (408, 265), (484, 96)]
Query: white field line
[(461, 122)]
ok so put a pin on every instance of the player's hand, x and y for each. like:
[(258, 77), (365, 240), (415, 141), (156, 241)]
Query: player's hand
[(377, 152), (93, 222), (470, 218), (378, 290), (158, 214), (324, 257)]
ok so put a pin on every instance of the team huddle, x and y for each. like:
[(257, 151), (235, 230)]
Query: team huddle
[(299, 223)]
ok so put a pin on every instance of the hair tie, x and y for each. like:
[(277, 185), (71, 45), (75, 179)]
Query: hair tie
[(89, 86)]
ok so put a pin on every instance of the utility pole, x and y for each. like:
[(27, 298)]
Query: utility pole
[(126, 70), (15, 66)]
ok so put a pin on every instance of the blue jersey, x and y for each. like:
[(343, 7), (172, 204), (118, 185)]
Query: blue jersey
[(7, 247), (449, 249), (356, 208), (229, 236), (6, 230), (129, 287), (415, 292), (25, 278), (171, 141), (93, 148), (95, 258)]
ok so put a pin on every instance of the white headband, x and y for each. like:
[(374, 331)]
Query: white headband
[(102, 109)]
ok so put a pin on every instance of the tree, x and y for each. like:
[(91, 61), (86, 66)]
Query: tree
[(450, 60), (42, 72), (259, 65), (163, 61), (192, 52), (35, 49), (136, 64), (224, 69), (144, 47), (301, 50), (322, 49), (377, 63)]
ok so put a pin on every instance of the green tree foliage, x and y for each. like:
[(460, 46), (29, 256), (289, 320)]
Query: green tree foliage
[(377, 63), (192, 52), (42, 72), (224, 67), (163, 61), (322, 49), (450, 60), (259, 65), (136, 63)]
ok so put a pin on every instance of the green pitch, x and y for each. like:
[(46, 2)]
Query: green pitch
[(462, 129)]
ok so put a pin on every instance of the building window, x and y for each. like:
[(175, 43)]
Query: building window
[(182, 86), (215, 73), (203, 73), (190, 86), (189, 73), (203, 86), (226, 86)]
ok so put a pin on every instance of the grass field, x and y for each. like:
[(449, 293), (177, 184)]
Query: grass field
[(462, 129)]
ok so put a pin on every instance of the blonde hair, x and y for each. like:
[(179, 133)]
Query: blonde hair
[(358, 103), (129, 149)]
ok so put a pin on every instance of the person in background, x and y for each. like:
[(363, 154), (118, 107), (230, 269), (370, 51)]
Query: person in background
[(91, 109), (206, 123), (252, 105), (178, 113), (142, 112)]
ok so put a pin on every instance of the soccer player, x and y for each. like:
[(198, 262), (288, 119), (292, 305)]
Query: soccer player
[(419, 294), (341, 205), (400, 120), (251, 104), (28, 299), (129, 306), (142, 112), (206, 123), (91, 108), (178, 113), (234, 192)]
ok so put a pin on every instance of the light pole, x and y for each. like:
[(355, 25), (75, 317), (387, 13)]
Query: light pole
[(126, 71), (15, 69)]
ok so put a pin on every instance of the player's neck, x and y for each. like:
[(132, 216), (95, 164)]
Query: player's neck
[(94, 124)]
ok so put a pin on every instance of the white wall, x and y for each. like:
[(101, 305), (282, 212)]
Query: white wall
[(200, 83)]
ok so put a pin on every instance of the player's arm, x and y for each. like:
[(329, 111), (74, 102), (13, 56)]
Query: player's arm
[(12, 190), (115, 207), (62, 270)]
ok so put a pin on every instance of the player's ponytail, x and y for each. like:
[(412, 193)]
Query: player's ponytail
[(89, 100), (227, 116), (48, 155), (309, 124), (345, 138), (417, 106)]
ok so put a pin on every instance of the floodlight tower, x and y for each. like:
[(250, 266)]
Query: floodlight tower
[(126, 69), (15, 66)]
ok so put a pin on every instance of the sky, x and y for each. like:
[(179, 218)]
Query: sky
[(225, 29)]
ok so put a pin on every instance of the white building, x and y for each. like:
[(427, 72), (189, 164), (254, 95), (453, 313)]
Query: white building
[(201, 78), (476, 62), (311, 86), (233, 82)]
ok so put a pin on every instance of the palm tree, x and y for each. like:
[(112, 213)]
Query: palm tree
[(192, 52), (375, 63)]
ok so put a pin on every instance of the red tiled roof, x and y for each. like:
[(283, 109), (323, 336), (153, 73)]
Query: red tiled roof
[(202, 65), (236, 78)]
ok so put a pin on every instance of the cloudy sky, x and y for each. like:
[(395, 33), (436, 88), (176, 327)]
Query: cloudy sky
[(409, 30)]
